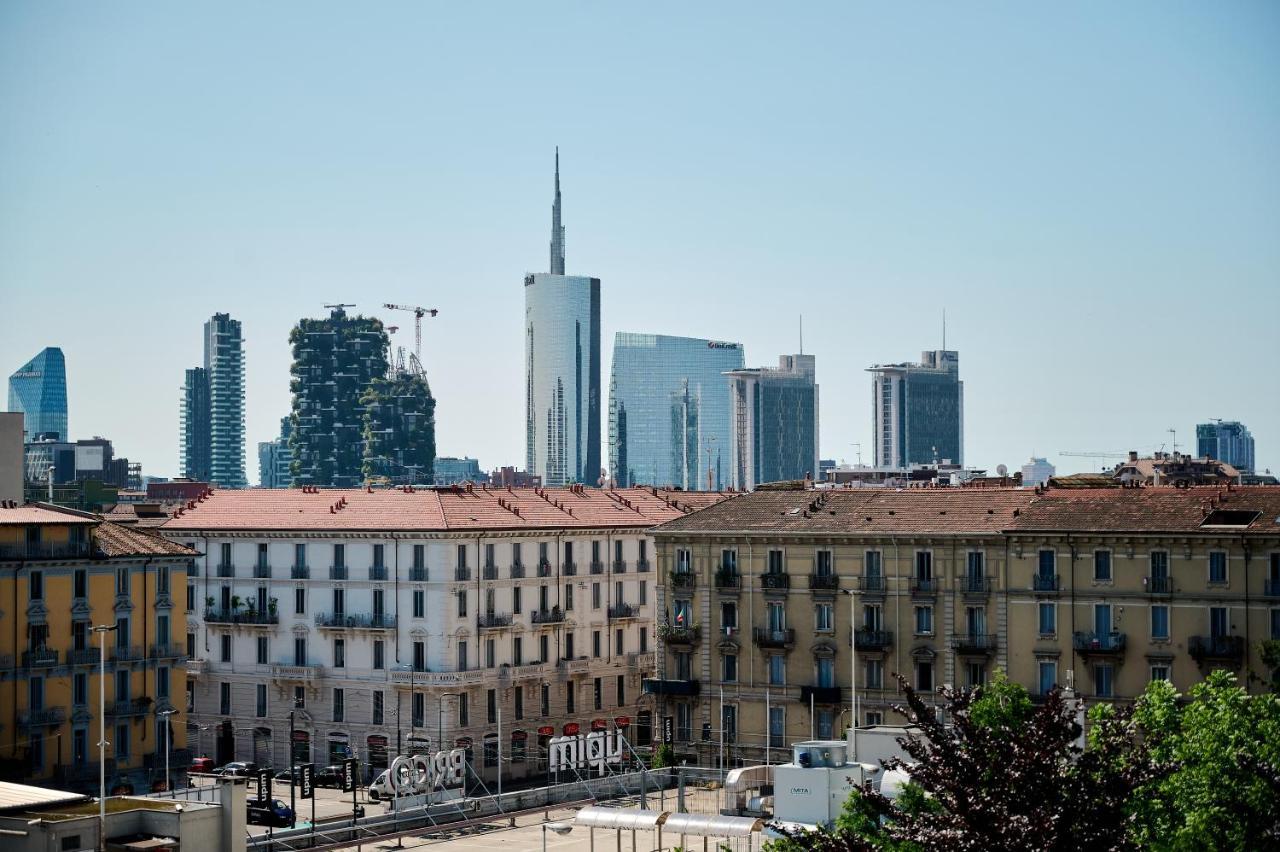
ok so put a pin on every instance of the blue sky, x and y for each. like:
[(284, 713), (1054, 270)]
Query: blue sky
[(1091, 190)]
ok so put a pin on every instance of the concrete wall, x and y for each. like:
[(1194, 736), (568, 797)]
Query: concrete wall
[(11, 456)]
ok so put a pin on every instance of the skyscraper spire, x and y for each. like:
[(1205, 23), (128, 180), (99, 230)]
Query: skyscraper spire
[(557, 230)]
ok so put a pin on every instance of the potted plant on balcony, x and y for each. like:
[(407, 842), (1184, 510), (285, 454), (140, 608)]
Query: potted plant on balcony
[(236, 601), (272, 606), (208, 602), (251, 609)]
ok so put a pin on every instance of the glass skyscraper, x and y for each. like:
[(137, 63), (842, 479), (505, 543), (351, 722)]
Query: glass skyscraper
[(774, 422), (562, 368), (669, 410), (195, 425), (212, 407), (918, 411), (39, 390), (1227, 441)]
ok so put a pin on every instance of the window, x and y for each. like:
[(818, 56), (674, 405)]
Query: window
[(684, 560), (379, 654), (924, 620), (339, 556), (777, 670), (975, 567), (617, 642), (122, 575), (462, 656), (822, 563), (1275, 624), (464, 709), (977, 674), (419, 603), (1217, 567), (82, 584), (191, 597), (339, 705), (379, 604), (775, 565), (874, 674), (299, 556), (924, 565), (462, 603), (262, 650), (822, 620), (162, 630), (379, 708), (418, 710), (518, 695), (597, 693), (420, 557), (35, 586), (595, 595), (262, 555), (80, 689), (777, 727), (299, 651), (224, 699), (378, 556), (225, 642), (491, 705), (546, 700), (122, 742), (874, 717), (644, 592), (644, 639), (517, 651), (682, 611), (1217, 621), (924, 677), (260, 702), (544, 649), (568, 596), (871, 567), (1048, 619), (1160, 672), (340, 653), (1159, 621), (873, 617), (729, 617), (191, 645), (299, 600), (826, 671), (620, 690), (339, 601), (1102, 566), (462, 557), (568, 645), (1047, 562), (1048, 671), (595, 644), (1102, 680)]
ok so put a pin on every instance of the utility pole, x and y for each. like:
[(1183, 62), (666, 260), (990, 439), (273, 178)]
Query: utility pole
[(102, 630)]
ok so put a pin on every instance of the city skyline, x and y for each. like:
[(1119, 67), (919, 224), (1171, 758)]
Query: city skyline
[(1115, 191)]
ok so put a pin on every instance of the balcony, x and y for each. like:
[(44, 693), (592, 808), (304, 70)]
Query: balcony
[(43, 717), (461, 574), (418, 574), (640, 660), (130, 707), (226, 570), (623, 610), (298, 674), (1158, 585), (975, 587), (490, 572), (1088, 643), (544, 568), (83, 657), (1045, 583), (262, 572), (820, 695), (872, 585), (619, 566), (355, 621), (41, 658), (873, 640), (1271, 588), (555, 615), (579, 665), (642, 566), (766, 638), (337, 572), (597, 567), (493, 621), (377, 573), (507, 673), (252, 618), (656, 686), (126, 654), (299, 572), (679, 635), (775, 581), (728, 581), (924, 587), (1228, 648), (167, 652), (415, 679), (517, 572), (823, 582), (197, 668), (683, 580), (45, 550), (973, 643)]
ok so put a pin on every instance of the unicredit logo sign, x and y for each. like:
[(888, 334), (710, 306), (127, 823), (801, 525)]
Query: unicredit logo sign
[(716, 344)]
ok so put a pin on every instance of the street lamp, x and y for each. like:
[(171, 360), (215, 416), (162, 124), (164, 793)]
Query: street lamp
[(102, 630), (168, 742), (560, 828)]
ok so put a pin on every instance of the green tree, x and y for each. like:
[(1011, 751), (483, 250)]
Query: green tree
[(1225, 790), (663, 756), (1001, 704)]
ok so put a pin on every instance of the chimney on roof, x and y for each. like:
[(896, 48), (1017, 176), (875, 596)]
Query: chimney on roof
[(1133, 455)]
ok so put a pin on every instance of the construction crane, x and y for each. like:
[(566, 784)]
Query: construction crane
[(340, 307), (418, 314)]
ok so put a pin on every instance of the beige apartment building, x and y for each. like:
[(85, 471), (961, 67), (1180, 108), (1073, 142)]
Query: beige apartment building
[(768, 601)]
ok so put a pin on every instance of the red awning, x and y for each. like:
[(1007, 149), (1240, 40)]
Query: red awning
[(622, 721), (599, 725), (571, 728)]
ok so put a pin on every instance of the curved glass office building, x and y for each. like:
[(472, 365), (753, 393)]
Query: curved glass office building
[(669, 410), (39, 390)]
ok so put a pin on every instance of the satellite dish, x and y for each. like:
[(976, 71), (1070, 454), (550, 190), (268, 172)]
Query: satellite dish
[(1001, 470)]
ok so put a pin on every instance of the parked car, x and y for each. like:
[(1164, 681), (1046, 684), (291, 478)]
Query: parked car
[(202, 764), (380, 787), (236, 769), (274, 813), (328, 776), (293, 775)]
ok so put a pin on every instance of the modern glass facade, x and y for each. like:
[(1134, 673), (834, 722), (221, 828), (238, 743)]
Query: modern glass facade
[(195, 425), (39, 390), (224, 362), (1226, 441), (918, 411), (562, 378), (774, 422), (669, 410)]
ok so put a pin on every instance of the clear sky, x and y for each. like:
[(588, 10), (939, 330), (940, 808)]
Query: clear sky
[(1091, 190)]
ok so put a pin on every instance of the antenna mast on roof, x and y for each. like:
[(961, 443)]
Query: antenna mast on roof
[(944, 329), (802, 334)]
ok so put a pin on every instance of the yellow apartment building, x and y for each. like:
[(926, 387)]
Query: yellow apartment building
[(64, 573), (770, 601)]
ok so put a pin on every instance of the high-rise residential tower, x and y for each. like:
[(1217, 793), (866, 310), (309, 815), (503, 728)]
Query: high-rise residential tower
[(224, 362), (196, 457), (39, 390), (1227, 441), (335, 361), (774, 422), (669, 411), (562, 368), (918, 411)]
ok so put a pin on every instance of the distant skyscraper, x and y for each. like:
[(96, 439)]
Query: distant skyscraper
[(1037, 471), (196, 429), (1227, 441), (224, 361), (669, 405), (39, 390), (335, 361), (918, 411), (274, 458), (562, 368), (774, 422)]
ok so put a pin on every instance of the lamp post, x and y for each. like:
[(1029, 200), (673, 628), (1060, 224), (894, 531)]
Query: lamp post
[(168, 743), (102, 630)]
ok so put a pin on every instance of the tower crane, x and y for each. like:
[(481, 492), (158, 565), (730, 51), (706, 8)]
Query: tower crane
[(418, 314)]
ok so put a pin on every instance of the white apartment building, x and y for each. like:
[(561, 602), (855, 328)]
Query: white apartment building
[(401, 621)]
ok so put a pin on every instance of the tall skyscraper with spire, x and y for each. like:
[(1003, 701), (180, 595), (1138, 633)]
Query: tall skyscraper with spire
[(562, 367)]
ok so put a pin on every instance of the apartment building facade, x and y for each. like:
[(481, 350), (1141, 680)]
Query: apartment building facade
[(374, 623), (62, 574), (771, 600)]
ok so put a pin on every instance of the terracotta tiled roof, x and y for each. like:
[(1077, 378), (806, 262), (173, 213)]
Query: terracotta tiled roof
[(1199, 509), (429, 509), (33, 513), (871, 511), (118, 540)]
